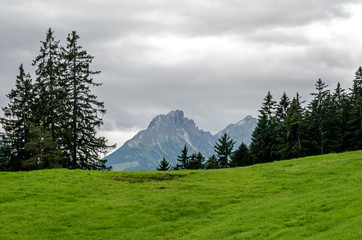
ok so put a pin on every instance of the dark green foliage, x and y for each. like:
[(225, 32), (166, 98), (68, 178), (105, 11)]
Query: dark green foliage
[(212, 163), (83, 109), (41, 150), (354, 133), (240, 156), (49, 91), (62, 109), (183, 159), (196, 161), (5, 154), (223, 149), (264, 146), (293, 125), (17, 116), (317, 118), (164, 165)]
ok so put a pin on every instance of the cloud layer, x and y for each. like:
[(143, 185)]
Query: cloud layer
[(214, 59)]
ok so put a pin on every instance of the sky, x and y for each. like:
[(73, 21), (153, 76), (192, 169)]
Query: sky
[(214, 59)]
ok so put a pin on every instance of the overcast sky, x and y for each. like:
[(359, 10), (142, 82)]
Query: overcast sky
[(214, 59)]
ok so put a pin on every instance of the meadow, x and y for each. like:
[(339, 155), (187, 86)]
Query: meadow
[(316, 197)]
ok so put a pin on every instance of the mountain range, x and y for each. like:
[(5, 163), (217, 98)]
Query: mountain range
[(166, 136)]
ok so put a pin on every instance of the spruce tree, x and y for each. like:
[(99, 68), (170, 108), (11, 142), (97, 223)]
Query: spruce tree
[(183, 159), (354, 133), (83, 147), (5, 154), (49, 101), (293, 124), (317, 118), (164, 165), (223, 149), (342, 109), (196, 161), (212, 163), (41, 150), (240, 156), (17, 115), (264, 146)]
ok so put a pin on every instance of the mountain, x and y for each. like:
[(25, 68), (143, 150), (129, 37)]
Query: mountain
[(241, 131), (165, 136)]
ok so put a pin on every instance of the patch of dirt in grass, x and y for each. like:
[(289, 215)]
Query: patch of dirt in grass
[(139, 179)]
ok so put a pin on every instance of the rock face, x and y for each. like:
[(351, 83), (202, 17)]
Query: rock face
[(241, 131), (165, 136)]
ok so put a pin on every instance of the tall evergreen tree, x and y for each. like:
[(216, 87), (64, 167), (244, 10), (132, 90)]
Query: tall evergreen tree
[(17, 116), (342, 109), (41, 150), (264, 138), (355, 116), (240, 156), (183, 159), (164, 165), (212, 163), (84, 148), (317, 117), (196, 161), (5, 154), (294, 129), (223, 148), (48, 88)]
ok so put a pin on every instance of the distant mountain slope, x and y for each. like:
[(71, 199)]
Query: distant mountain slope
[(165, 136), (241, 131)]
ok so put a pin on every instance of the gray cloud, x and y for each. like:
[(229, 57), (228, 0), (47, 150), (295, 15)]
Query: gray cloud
[(214, 59)]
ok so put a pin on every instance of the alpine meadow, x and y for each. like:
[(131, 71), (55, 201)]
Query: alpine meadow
[(300, 177)]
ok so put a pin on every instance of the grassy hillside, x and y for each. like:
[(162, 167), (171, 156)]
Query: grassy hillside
[(311, 198)]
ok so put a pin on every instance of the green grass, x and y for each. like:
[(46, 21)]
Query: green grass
[(310, 198)]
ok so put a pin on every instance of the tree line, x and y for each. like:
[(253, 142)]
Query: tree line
[(52, 121), (330, 123)]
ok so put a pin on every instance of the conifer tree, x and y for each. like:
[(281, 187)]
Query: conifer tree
[(41, 150), (240, 156), (294, 129), (183, 159), (83, 147), (212, 162), (223, 149), (354, 133), (5, 154), (49, 101), (342, 109), (164, 165), (196, 161), (264, 138), (317, 118), (17, 116)]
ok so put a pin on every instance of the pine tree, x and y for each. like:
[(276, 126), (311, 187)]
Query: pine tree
[(212, 163), (264, 146), (17, 116), (164, 165), (83, 147), (354, 133), (183, 159), (223, 149), (196, 161), (240, 156), (41, 150), (317, 117), (49, 101), (294, 129), (342, 109), (5, 154)]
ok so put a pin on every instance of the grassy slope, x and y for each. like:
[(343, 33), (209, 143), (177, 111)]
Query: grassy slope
[(311, 198)]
